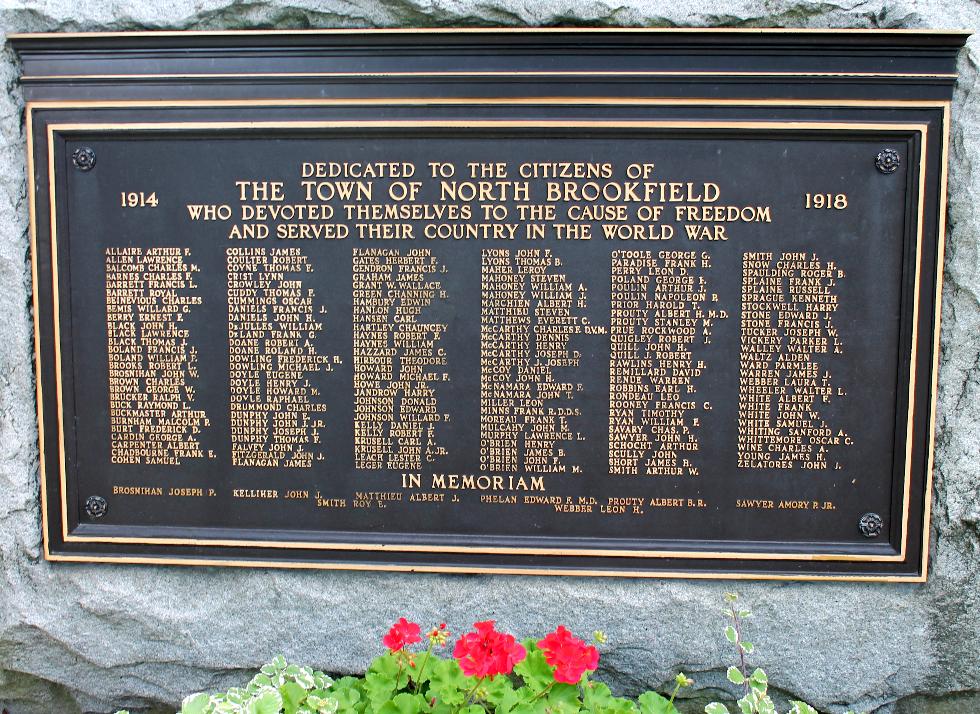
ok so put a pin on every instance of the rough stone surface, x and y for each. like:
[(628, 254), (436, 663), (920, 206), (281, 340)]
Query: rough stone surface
[(77, 638)]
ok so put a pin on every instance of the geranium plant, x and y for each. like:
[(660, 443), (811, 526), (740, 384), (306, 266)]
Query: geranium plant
[(487, 672)]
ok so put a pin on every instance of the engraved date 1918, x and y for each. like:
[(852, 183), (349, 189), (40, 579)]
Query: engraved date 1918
[(825, 200)]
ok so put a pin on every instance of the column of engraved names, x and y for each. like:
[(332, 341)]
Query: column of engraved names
[(273, 329), (788, 339), (659, 313), (527, 396), (398, 360), (152, 364)]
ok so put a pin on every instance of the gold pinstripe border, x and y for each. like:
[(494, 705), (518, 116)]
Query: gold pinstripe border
[(756, 125), (936, 325)]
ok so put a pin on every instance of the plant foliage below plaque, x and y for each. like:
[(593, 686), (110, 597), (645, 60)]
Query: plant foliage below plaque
[(488, 672)]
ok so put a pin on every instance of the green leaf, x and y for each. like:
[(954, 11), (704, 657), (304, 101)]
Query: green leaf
[(802, 708), (379, 689), (403, 703), (195, 704), (599, 692), (653, 703), (382, 679), (473, 709), (731, 634), (321, 705), (303, 676), (448, 684), (321, 680), (346, 683), (501, 694), (565, 695), (386, 666), (747, 647), (237, 695), (621, 706), (535, 670), (599, 700), (562, 707), (293, 695), (348, 698), (735, 675), (259, 681), (716, 708), (759, 676), (538, 706), (268, 702), (597, 696)]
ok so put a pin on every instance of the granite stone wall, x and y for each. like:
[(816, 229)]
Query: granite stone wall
[(86, 638)]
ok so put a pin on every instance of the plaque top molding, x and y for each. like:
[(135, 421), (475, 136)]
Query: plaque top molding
[(650, 37), (513, 55), (746, 31)]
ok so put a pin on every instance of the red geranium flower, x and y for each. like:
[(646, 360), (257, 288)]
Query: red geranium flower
[(569, 655), (402, 633), (486, 652)]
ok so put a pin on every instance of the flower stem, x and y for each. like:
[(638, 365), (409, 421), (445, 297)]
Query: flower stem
[(677, 688), (399, 675), (425, 660), (469, 694), (741, 652), (541, 693)]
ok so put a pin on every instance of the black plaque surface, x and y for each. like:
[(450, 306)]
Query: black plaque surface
[(348, 307)]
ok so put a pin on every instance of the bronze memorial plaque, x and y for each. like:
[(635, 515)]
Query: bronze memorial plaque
[(651, 303)]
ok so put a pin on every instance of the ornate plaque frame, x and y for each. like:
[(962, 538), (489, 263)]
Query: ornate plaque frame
[(85, 91)]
